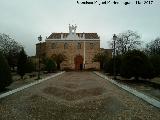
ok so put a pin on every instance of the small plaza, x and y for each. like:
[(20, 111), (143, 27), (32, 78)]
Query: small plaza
[(76, 95)]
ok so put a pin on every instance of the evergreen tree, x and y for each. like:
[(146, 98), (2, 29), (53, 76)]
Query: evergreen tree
[(109, 66), (5, 75), (155, 60), (22, 60), (30, 67), (136, 64)]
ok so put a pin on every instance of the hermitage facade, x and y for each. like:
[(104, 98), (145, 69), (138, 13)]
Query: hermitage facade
[(79, 48)]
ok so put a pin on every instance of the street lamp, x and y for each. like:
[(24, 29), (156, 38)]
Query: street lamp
[(39, 39), (114, 54)]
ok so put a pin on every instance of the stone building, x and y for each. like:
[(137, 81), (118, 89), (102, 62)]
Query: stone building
[(79, 48), (109, 52)]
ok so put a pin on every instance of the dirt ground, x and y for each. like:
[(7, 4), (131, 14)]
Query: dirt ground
[(18, 82), (149, 87), (76, 96)]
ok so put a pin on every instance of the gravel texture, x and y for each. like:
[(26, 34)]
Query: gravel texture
[(20, 82), (76, 96)]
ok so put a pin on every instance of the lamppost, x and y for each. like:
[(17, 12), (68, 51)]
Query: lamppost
[(114, 55), (40, 39)]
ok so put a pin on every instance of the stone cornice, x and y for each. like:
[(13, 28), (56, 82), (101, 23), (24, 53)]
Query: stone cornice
[(60, 40)]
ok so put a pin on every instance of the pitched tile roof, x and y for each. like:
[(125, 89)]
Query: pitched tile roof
[(87, 35)]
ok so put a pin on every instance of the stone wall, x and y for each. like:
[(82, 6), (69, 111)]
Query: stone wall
[(92, 48), (41, 49)]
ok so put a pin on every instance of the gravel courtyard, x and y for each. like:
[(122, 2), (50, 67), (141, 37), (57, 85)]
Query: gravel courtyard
[(76, 96)]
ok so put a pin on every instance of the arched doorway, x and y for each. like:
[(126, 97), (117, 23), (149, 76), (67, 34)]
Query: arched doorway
[(78, 60)]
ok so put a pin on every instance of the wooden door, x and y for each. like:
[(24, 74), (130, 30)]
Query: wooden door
[(78, 62)]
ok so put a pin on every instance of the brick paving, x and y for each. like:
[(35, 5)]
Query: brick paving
[(76, 96)]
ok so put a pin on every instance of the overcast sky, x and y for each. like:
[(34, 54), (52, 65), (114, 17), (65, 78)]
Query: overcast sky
[(25, 20)]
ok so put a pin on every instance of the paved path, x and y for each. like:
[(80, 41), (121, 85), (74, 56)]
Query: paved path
[(76, 96)]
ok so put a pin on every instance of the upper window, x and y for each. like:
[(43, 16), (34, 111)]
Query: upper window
[(53, 45), (79, 46), (65, 45), (91, 45)]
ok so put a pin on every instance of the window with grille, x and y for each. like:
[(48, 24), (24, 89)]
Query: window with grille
[(79, 46), (65, 45), (53, 45), (91, 45)]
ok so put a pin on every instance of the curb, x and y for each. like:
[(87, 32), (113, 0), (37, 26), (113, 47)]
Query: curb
[(144, 97), (27, 86)]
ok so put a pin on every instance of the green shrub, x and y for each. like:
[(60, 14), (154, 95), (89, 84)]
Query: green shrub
[(101, 58), (58, 58), (30, 67), (136, 64), (109, 65), (155, 60), (50, 65), (5, 75), (21, 66)]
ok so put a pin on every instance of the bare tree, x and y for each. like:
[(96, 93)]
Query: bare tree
[(10, 49), (126, 41), (153, 47)]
